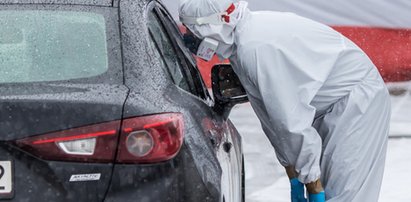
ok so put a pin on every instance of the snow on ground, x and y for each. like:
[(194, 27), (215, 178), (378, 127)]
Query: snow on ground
[(266, 180), (401, 108)]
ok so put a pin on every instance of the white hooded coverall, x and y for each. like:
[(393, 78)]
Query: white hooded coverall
[(321, 101)]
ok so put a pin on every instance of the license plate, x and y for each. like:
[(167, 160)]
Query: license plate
[(6, 179)]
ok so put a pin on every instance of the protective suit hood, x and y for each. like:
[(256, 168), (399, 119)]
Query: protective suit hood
[(223, 33)]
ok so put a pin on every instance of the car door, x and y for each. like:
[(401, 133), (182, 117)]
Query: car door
[(219, 131)]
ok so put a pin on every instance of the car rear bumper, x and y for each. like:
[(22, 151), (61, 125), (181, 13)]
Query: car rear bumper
[(176, 180), (38, 180)]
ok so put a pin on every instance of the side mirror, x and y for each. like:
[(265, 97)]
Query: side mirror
[(227, 89)]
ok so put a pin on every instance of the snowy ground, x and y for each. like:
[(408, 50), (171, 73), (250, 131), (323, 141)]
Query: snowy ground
[(266, 180), (401, 108)]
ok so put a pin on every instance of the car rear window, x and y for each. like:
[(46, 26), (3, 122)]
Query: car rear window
[(42, 45)]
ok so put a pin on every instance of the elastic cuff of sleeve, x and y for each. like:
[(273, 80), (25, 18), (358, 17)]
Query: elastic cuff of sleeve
[(312, 177)]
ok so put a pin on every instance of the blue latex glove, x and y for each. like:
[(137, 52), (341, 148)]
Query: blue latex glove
[(320, 197), (297, 191)]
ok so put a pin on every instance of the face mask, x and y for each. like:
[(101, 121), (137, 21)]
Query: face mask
[(204, 49), (207, 47)]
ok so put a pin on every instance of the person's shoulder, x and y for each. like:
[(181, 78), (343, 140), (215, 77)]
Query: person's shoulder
[(277, 18), (253, 50), (282, 30), (266, 26), (280, 23)]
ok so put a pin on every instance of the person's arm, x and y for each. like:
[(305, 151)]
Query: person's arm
[(297, 188), (286, 88), (312, 188)]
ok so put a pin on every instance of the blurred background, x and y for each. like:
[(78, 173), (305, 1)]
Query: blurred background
[(383, 30)]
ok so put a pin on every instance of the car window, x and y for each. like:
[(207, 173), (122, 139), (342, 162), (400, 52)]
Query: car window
[(187, 56), (166, 50), (45, 45)]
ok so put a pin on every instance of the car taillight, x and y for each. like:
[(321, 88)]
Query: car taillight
[(146, 139), (95, 143), (150, 139)]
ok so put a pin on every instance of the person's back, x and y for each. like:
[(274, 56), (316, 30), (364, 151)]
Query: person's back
[(318, 47), (321, 101)]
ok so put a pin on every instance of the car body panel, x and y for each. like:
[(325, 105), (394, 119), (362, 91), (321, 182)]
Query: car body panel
[(39, 180), (44, 108)]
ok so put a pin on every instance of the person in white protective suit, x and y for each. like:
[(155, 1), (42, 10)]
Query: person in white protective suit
[(321, 101)]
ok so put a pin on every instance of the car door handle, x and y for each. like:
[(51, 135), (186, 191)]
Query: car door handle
[(227, 147)]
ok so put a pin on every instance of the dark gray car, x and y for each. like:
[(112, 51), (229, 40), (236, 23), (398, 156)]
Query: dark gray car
[(101, 101)]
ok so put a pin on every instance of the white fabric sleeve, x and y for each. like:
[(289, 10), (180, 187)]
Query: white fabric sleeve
[(286, 88)]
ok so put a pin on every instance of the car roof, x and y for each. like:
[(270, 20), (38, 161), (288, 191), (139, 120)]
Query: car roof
[(111, 3), (68, 2)]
